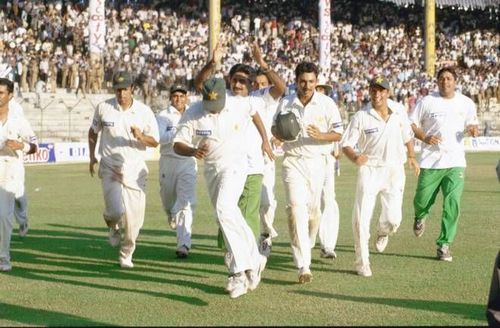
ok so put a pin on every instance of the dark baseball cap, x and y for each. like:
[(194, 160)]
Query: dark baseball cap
[(178, 87), (122, 80), (380, 81), (214, 95)]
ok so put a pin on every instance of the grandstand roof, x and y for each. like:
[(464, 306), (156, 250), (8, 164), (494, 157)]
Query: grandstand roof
[(460, 3)]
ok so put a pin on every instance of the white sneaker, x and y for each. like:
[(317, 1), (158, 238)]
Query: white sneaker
[(171, 222), (182, 252), (365, 271), (381, 243), (5, 265), (265, 245), (327, 253), (305, 275), (254, 276), (126, 263), (114, 236), (239, 286), (23, 230)]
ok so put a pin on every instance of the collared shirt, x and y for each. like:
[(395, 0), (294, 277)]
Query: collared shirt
[(118, 146), (16, 127), (322, 112), (225, 132), (168, 119), (383, 142), (446, 118)]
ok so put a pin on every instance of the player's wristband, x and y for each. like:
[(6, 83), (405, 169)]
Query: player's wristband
[(26, 147)]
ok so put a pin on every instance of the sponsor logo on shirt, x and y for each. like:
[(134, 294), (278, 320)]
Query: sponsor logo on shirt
[(105, 123), (372, 130), (437, 114), (170, 128), (203, 132), (336, 125)]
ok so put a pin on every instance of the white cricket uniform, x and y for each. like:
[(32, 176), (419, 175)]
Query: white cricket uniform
[(21, 205), (225, 171), (383, 142), (304, 171), (122, 168), (177, 178), (446, 118), (268, 198), (16, 127)]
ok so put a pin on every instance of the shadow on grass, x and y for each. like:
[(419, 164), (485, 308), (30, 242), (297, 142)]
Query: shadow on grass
[(467, 311), (29, 316), (73, 256)]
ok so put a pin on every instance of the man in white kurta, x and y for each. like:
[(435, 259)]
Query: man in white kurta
[(126, 127), (305, 162), (380, 133), (16, 139), (177, 173), (214, 130)]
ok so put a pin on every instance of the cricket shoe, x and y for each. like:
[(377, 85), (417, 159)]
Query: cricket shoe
[(305, 275), (265, 245), (23, 229), (419, 227), (182, 252), (238, 286), (444, 253), (365, 271), (114, 236), (126, 263), (254, 276), (171, 222), (5, 265), (327, 253), (381, 243)]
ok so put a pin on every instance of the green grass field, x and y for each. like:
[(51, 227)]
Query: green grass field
[(65, 273)]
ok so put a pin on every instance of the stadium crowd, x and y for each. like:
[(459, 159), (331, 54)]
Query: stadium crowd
[(44, 45)]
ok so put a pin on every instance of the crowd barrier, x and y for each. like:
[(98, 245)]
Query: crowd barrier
[(75, 152)]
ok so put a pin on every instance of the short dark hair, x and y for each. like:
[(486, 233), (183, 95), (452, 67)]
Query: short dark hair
[(306, 67), (8, 83), (448, 69), (243, 68)]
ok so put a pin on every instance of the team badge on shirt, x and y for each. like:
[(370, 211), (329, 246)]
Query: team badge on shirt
[(106, 123)]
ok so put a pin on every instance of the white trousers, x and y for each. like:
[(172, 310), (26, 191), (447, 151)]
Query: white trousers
[(389, 182), (268, 200), (125, 205), (21, 209), (178, 194), (225, 186), (303, 179), (11, 184), (329, 222)]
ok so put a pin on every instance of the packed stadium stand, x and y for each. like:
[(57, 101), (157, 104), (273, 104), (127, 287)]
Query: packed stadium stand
[(44, 48)]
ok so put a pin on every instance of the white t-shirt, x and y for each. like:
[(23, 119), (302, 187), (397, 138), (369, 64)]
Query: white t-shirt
[(446, 118), (118, 147), (322, 112), (225, 132), (383, 142)]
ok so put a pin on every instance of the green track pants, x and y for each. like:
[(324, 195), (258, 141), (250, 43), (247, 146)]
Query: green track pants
[(451, 183)]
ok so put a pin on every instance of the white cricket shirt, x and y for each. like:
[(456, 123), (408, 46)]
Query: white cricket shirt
[(322, 112), (383, 142)]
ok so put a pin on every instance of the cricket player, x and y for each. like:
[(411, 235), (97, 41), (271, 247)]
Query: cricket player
[(270, 87), (330, 216), (21, 204), (380, 133), (214, 130), (177, 173), (440, 121), (306, 161), (126, 127), (16, 139), (241, 78)]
